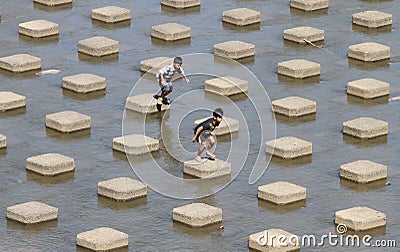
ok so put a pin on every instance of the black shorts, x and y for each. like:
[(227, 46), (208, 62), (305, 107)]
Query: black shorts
[(203, 136)]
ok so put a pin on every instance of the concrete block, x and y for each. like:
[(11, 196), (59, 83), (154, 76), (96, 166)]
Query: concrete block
[(10, 100), (234, 50), (281, 193), (144, 104), (369, 52), (111, 14), (135, 144), (227, 85), (3, 141), (288, 147), (299, 34), (299, 68), (53, 2), (154, 64), (197, 214), (50, 164), (207, 168), (241, 16), (227, 126), (38, 28), (32, 212), (309, 5), (170, 31), (368, 88), (360, 218), (294, 106), (68, 121), (372, 19), (102, 239), (122, 189), (363, 171), (20, 63), (268, 241), (84, 83), (365, 127), (98, 46), (181, 4)]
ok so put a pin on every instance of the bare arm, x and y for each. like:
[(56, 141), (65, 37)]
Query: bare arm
[(198, 131)]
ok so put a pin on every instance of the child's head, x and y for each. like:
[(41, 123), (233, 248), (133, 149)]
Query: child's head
[(178, 62), (217, 114)]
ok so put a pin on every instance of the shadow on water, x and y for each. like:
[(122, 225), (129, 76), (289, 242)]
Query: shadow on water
[(13, 112), (98, 60), (82, 249), (309, 14), (365, 142), (369, 66), (39, 41), (372, 31), (368, 102), (293, 121), (84, 97), (298, 82), (362, 187), (281, 209), (32, 227), (110, 26), (197, 232), (289, 162), (120, 205), (247, 28), (3, 151), (58, 179), (194, 9), (68, 136), (22, 75), (46, 8)]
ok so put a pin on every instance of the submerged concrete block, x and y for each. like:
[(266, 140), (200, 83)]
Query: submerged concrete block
[(111, 14), (372, 19), (144, 104), (20, 63), (68, 121), (197, 214), (84, 83), (269, 241), (50, 164), (207, 168), (363, 171), (98, 46), (122, 189), (309, 5), (365, 127), (227, 126), (281, 192), (53, 2), (360, 218), (288, 147), (32, 212), (294, 106), (10, 100), (299, 68), (102, 239), (227, 85), (170, 31), (135, 144), (3, 141), (38, 28), (154, 64), (241, 16), (369, 52), (299, 34), (234, 50), (368, 88), (180, 4)]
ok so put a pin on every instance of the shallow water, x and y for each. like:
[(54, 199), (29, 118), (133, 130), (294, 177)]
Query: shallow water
[(149, 222)]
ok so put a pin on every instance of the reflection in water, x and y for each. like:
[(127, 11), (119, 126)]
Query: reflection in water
[(282, 209), (171, 44), (365, 142), (290, 162), (298, 82), (32, 227), (309, 14), (374, 232), (369, 65), (247, 28), (82, 249), (293, 121), (55, 8), (213, 229), (13, 112), (23, 75), (98, 60), (191, 10), (372, 31), (110, 26), (58, 179), (303, 46), (368, 102), (120, 205), (68, 136), (358, 187), (39, 41), (84, 97)]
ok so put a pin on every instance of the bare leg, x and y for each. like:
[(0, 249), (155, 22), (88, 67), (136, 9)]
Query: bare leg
[(202, 148), (211, 141)]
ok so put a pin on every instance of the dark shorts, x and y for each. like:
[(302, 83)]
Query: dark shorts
[(204, 135), (167, 87)]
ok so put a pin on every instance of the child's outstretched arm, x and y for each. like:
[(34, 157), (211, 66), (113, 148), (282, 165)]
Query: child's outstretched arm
[(186, 78)]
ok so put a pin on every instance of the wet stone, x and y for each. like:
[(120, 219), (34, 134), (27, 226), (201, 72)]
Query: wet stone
[(294, 106), (135, 144), (207, 168), (53, 2), (20, 63), (226, 85), (144, 104), (369, 52), (197, 214), (299, 68), (180, 4), (154, 64), (102, 239), (10, 100), (309, 5), (360, 218), (32, 212), (50, 164), (3, 141), (241, 16), (111, 14), (84, 83), (234, 50), (267, 241), (368, 88), (281, 193), (300, 34), (363, 171), (372, 19), (98, 46), (365, 127), (68, 121), (170, 31), (122, 189), (227, 126), (38, 28), (288, 147)]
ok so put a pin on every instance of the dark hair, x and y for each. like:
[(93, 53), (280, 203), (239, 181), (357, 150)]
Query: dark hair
[(178, 60), (218, 112)]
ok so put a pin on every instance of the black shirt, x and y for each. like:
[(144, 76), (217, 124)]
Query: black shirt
[(207, 125)]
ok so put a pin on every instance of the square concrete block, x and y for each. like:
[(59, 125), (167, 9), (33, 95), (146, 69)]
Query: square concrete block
[(68, 121), (227, 85), (365, 127), (288, 147), (38, 28), (281, 193), (20, 63), (294, 106), (309, 5), (241, 16), (170, 31), (227, 126), (50, 164), (207, 168), (180, 4), (3, 141), (299, 68), (360, 218), (267, 241), (154, 64), (84, 83), (372, 19), (32, 212), (135, 144), (53, 2), (10, 100), (299, 34), (98, 46), (111, 14), (122, 189), (197, 214), (363, 171), (368, 88), (102, 239), (234, 50), (144, 104), (369, 52)]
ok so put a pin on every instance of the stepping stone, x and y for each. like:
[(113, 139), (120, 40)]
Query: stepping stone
[(372, 19), (234, 50), (38, 28), (294, 106), (154, 64), (50, 164), (20, 63), (84, 83), (68, 121), (98, 46), (53, 2), (309, 5), (227, 126), (170, 31), (111, 14), (299, 34), (360, 218), (180, 4), (288, 147), (102, 239), (268, 241), (368, 88), (135, 144), (299, 68), (281, 193), (207, 168), (363, 171), (369, 52), (197, 214), (365, 127), (144, 104), (241, 16), (227, 85), (10, 100), (122, 189), (32, 212), (3, 141)]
